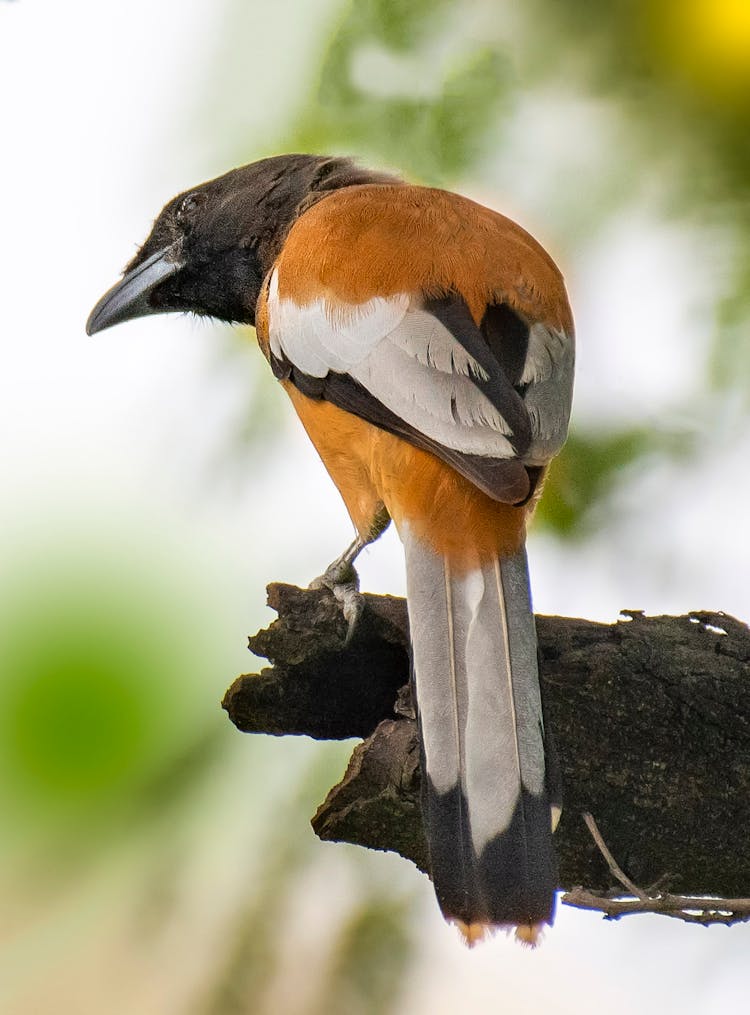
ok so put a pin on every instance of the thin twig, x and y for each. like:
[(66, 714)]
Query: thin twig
[(614, 867), (689, 908)]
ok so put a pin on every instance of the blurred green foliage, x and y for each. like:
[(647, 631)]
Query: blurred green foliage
[(432, 137), (78, 719), (98, 689), (579, 479), (679, 73)]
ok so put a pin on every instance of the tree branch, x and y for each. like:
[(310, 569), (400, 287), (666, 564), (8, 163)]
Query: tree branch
[(651, 720)]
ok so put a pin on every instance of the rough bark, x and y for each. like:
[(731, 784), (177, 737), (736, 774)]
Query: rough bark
[(651, 719)]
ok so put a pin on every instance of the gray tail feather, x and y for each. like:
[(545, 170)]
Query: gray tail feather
[(485, 800)]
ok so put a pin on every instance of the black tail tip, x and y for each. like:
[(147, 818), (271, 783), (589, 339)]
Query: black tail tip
[(510, 883)]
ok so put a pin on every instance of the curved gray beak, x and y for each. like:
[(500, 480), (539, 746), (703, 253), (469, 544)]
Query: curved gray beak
[(130, 297)]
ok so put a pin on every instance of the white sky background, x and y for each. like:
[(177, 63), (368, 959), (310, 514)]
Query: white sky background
[(103, 119)]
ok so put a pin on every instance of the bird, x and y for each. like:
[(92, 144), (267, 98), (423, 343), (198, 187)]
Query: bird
[(426, 343)]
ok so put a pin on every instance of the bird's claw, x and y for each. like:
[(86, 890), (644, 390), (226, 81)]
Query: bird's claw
[(343, 581), (352, 605)]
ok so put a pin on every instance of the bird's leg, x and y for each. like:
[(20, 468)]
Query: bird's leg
[(341, 576), (342, 568), (342, 579)]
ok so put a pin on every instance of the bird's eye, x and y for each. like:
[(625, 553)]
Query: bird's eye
[(187, 208)]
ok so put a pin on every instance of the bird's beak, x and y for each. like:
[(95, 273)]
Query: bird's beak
[(130, 297)]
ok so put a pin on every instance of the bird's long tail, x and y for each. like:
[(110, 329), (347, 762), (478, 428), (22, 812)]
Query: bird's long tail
[(485, 797)]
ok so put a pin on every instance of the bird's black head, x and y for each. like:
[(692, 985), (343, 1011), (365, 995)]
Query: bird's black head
[(211, 247)]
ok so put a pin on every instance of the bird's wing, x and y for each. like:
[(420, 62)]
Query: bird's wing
[(479, 386)]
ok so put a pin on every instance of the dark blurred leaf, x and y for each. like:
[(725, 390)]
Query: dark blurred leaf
[(396, 24), (374, 952), (180, 776), (730, 355), (588, 471)]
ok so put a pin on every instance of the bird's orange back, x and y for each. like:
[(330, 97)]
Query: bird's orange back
[(377, 240)]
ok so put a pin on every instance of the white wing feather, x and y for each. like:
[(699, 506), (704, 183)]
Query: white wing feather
[(407, 359)]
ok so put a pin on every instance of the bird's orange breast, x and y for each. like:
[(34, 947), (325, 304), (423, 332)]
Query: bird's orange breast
[(370, 466)]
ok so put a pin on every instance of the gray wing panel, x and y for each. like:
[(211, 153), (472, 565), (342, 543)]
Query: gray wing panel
[(548, 374), (442, 380)]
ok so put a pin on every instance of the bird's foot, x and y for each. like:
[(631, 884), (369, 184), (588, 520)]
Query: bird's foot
[(342, 579)]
